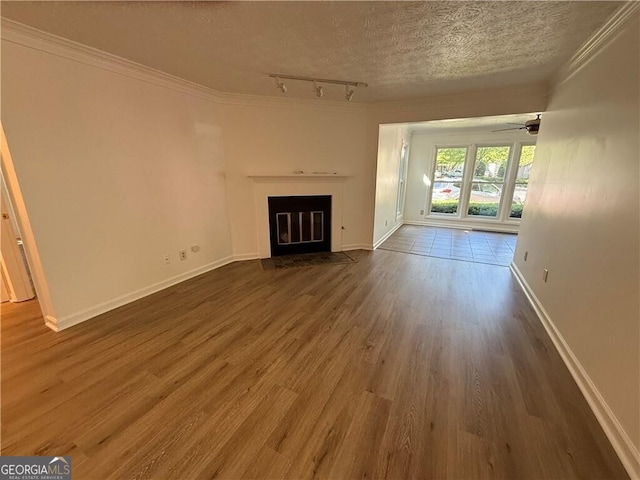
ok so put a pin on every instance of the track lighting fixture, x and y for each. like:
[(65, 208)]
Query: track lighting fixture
[(318, 89), (281, 86), (348, 93)]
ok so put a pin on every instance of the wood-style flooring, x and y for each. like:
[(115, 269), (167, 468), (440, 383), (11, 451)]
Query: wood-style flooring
[(398, 366)]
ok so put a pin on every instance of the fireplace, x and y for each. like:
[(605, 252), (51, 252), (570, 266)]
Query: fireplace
[(266, 186), (299, 224)]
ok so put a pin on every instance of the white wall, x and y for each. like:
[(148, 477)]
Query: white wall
[(582, 223), (421, 167), (389, 148), (283, 136), (115, 172), (276, 136)]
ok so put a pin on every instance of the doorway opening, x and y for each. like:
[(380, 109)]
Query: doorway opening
[(469, 173), (16, 281)]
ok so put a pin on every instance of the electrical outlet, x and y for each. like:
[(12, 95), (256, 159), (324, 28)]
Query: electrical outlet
[(421, 212), (545, 275), (195, 248), (386, 222), (526, 255), (182, 254), (165, 257)]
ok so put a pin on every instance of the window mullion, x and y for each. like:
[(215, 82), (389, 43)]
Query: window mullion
[(509, 181), (467, 177)]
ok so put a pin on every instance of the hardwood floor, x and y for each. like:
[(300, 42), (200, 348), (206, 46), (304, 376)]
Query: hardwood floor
[(398, 366)]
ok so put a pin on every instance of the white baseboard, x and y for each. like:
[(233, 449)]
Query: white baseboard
[(357, 246), (622, 444), (245, 256), (387, 235), (58, 324), (51, 322), (488, 227)]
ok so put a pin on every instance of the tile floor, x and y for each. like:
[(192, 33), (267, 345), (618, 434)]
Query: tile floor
[(465, 245)]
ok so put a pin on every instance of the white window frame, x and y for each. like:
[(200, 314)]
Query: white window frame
[(512, 177), (432, 174), (466, 182), (505, 187), (403, 165)]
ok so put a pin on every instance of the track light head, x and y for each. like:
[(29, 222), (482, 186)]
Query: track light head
[(318, 89), (348, 93), (281, 86)]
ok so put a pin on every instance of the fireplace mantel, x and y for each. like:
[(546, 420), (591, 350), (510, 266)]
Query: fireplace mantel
[(297, 177)]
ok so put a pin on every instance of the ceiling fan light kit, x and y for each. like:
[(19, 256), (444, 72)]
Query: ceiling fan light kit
[(318, 89), (531, 126)]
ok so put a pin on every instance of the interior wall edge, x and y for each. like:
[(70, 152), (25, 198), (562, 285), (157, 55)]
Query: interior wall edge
[(51, 322), (357, 246), (387, 235), (32, 253), (621, 442)]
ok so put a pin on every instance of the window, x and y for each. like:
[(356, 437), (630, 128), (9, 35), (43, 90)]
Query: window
[(402, 180), (447, 179), (490, 184), (522, 180), (488, 180)]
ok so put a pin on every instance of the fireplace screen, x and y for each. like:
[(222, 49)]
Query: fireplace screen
[(300, 224), (300, 227)]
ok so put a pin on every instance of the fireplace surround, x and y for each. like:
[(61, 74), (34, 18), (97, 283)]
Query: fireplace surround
[(270, 185)]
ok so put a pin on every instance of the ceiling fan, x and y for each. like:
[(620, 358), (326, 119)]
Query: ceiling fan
[(531, 126)]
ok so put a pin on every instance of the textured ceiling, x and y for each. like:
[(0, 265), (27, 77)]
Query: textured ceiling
[(402, 49)]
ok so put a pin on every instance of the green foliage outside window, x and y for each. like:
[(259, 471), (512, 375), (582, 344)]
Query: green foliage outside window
[(481, 209)]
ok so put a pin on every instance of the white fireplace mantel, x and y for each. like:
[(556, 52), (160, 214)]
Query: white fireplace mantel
[(293, 184), (297, 177)]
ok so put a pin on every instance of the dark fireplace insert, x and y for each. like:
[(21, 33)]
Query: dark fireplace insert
[(300, 224)]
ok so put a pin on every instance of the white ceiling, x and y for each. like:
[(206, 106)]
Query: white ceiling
[(402, 49)]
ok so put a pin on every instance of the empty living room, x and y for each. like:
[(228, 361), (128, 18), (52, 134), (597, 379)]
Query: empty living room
[(320, 239)]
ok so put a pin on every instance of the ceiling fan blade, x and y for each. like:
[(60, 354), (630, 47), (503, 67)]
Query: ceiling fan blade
[(505, 129), (519, 124)]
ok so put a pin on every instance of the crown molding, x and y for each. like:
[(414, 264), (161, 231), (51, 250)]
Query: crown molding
[(30, 37), (615, 24)]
